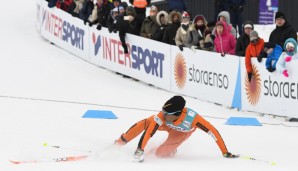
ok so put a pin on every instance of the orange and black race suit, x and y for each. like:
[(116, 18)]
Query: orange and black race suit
[(178, 130)]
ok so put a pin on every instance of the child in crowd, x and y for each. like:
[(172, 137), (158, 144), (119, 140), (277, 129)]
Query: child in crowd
[(290, 53)]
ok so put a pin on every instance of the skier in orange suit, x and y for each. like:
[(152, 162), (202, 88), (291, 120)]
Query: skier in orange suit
[(179, 121)]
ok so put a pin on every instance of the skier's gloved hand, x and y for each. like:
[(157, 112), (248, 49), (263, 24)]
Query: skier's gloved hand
[(230, 155), (139, 155)]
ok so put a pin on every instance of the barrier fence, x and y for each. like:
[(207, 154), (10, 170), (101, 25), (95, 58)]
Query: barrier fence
[(200, 74)]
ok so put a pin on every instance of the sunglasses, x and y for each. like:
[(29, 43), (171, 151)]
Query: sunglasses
[(171, 113)]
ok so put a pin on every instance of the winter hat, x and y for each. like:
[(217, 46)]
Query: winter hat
[(174, 105), (248, 24), (153, 8), (254, 33), (269, 45), (117, 0), (121, 8), (280, 15), (130, 11), (185, 15), (199, 17), (219, 23)]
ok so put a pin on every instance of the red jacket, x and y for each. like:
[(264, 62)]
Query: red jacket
[(253, 50)]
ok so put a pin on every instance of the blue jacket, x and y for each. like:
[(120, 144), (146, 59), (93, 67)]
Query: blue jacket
[(273, 57)]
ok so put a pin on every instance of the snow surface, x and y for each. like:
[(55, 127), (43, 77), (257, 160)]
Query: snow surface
[(44, 92)]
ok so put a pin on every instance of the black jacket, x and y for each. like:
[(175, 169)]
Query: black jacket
[(241, 45), (280, 34)]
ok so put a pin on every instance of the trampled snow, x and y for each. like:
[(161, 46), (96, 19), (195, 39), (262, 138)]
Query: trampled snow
[(44, 92)]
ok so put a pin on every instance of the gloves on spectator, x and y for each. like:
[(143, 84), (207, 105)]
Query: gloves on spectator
[(262, 55), (288, 58), (91, 24), (285, 73), (139, 155), (125, 48), (86, 21), (223, 54), (98, 27), (270, 69), (249, 76), (207, 45), (230, 155), (180, 47)]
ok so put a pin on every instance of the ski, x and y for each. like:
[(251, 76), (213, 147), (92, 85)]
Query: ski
[(58, 159), (259, 160)]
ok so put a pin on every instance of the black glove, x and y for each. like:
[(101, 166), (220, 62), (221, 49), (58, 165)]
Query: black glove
[(98, 27), (110, 29), (180, 47), (125, 48), (85, 21), (115, 30), (90, 24), (223, 54), (249, 76), (207, 45), (270, 69), (230, 155), (212, 36), (262, 55)]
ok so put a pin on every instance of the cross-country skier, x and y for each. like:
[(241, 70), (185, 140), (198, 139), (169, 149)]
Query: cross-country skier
[(179, 121)]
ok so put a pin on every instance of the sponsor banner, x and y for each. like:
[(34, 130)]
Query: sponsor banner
[(270, 93), (65, 31), (147, 60), (204, 75), (267, 10)]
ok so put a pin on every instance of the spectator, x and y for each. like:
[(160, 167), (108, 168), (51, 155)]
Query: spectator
[(103, 11), (179, 122), (177, 5), (64, 5), (273, 52), (236, 10), (86, 12), (283, 30), (219, 6), (171, 30), (113, 20), (254, 49), (243, 41), (180, 38), (128, 25), (76, 7), (162, 19), (224, 42), (196, 35), (150, 26), (225, 16), (288, 55), (140, 8)]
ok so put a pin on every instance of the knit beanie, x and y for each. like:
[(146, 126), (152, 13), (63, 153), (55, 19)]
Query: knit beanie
[(174, 105), (280, 15), (254, 33)]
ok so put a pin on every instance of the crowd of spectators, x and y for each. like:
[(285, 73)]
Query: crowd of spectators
[(177, 27)]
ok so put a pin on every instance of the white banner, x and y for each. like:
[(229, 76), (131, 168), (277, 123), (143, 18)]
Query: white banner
[(147, 60), (205, 75), (270, 93), (65, 31)]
